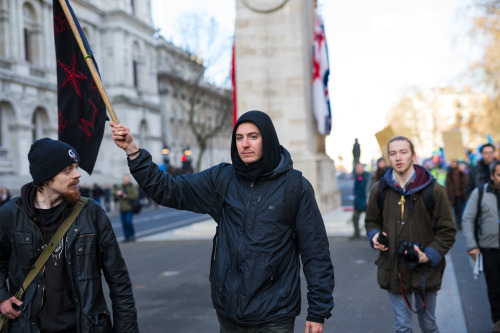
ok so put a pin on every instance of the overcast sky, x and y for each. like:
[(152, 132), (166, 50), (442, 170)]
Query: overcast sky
[(378, 50)]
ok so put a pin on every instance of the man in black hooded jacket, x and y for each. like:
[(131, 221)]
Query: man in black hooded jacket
[(255, 272)]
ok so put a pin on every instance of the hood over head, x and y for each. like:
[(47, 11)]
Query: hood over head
[(270, 146)]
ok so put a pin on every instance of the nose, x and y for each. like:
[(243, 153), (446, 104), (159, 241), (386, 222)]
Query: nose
[(244, 142)]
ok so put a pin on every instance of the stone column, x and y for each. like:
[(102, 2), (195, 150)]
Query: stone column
[(273, 45)]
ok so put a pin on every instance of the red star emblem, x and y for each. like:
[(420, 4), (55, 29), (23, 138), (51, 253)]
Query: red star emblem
[(72, 75)]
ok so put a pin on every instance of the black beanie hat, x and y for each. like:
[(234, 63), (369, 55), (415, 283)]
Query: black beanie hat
[(48, 157)]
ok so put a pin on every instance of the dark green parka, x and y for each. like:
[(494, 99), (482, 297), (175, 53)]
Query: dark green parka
[(414, 226)]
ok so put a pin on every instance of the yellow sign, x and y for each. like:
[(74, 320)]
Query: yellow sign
[(382, 138), (453, 146)]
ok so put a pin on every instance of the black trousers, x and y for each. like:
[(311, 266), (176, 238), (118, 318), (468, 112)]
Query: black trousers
[(491, 266), (227, 326)]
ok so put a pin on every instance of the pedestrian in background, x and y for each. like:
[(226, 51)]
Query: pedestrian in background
[(255, 268), (486, 246), (361, 191), (378, 174), (4, 196), (66, 295), (412, 242), (126, 194), (97, 194), (456, 180), (480, 173)]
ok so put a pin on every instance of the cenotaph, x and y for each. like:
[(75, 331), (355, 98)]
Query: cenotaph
[(273, 61)]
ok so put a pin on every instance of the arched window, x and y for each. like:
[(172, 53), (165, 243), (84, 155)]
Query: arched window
[(7, 119), (4, 28), (137, 59), (39, 121), (143, 132), (31, 35)]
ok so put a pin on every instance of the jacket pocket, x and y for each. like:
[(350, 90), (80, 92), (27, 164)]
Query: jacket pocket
[(87, 263), (384, 272), (99, 321), (23, 249)]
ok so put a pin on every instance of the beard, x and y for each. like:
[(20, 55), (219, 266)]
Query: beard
[(72, 195)]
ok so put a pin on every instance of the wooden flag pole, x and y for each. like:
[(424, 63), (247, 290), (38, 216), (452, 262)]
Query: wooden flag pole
[(89, 61)]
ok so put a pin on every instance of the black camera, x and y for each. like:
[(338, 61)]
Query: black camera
[(410, 255), (383, 239)]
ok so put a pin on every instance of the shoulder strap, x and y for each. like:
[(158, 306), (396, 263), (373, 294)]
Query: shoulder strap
[(380, 197), (42, 259), (293, 190), (223, 179), (480, 191), (430, 203)]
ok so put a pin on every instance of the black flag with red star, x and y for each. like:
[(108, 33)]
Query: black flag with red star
[(81, 110)]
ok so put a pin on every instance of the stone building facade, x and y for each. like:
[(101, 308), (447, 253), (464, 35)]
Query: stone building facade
[(133, 65)]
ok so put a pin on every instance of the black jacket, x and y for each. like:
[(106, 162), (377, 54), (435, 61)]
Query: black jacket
[(91, 249), (255, 274), (478, 175)]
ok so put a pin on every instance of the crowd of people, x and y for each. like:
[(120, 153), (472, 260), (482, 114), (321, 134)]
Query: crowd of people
[(269, 227), (466, 197)]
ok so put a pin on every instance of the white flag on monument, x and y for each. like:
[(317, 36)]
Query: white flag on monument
[(321, 71)]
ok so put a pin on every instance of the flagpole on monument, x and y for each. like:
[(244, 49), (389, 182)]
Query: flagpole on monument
[(90, 63)]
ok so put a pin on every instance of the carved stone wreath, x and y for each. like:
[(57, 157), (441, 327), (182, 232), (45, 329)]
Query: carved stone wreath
[(264, 6)]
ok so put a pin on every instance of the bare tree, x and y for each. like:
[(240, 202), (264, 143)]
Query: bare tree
[(207, 108), (485, 27)]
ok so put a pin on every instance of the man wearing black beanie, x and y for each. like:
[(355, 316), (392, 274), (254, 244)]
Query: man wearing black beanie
[(66, 294), (264, 225)]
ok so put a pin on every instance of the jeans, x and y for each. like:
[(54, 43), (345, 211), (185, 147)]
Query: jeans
[(128, 227), (402, 313), (285, 326), (458, 207), (355, 221), (491, 265)]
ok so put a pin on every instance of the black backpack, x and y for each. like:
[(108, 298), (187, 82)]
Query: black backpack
[(427, 194), (293, 188), (480, 191)]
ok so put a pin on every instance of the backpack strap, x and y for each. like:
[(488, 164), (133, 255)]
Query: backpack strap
[(430, 203), (480, 191), (293, 190), (223, 179), (381, 196)]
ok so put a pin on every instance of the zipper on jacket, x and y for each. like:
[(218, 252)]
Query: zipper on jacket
[(254, 221), (43, 269), (241, 241)]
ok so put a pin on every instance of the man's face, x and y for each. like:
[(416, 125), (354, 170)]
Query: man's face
[(126, 179), (65, 183), (249, 143), (360, 169), (400, 156), (488, 154), (495, 177)]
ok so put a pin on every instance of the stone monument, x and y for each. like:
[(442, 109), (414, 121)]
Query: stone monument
[(273, 59)]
